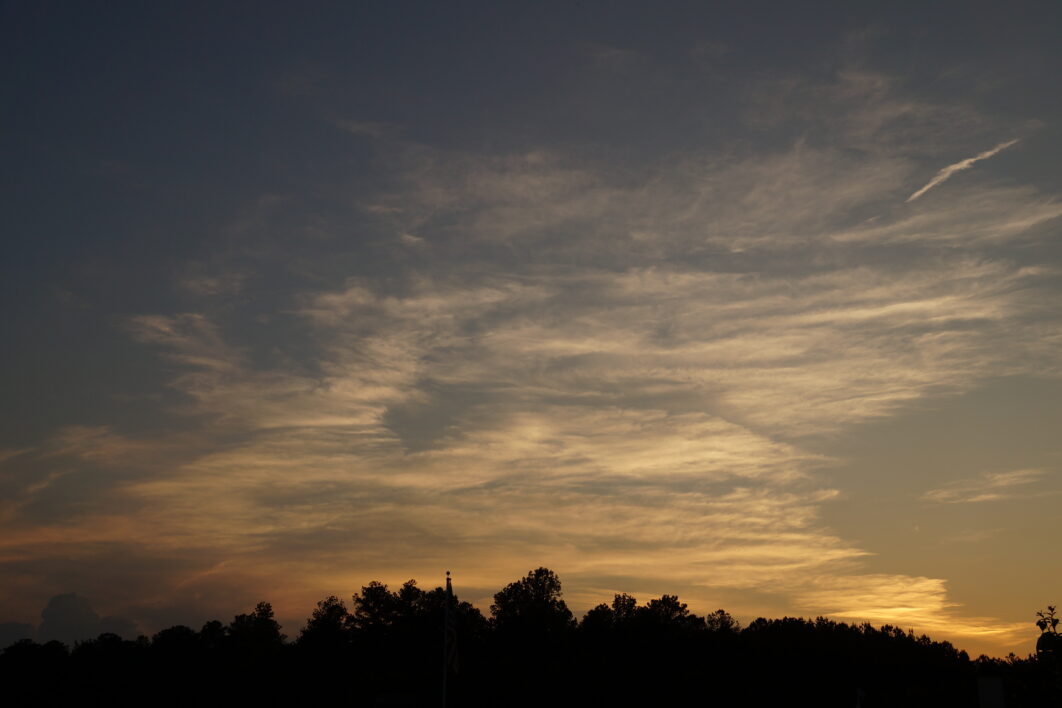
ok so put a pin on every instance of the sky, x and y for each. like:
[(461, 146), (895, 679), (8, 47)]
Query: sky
[(755, 303)]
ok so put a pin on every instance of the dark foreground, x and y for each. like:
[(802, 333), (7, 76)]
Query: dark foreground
[(391, 649)]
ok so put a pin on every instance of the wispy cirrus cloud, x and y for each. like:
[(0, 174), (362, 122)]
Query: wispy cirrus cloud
[(614, 370), (946, 173), (988, 487), (11, 454)]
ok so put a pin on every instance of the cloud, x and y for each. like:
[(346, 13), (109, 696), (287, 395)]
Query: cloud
[(946, 173), (209, 286), (990, 486), (626, 431), (11, 454), (68, 618), (904, 602), (617, 370)]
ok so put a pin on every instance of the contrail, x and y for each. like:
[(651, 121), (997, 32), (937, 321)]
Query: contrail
[(966, 164)]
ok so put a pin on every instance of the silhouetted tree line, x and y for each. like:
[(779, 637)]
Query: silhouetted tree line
[(387, 649)]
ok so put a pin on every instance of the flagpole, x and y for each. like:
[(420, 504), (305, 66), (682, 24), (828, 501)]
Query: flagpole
[(446, 638)]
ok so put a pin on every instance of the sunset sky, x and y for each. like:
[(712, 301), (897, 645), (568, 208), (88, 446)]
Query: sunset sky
[(759, 304)]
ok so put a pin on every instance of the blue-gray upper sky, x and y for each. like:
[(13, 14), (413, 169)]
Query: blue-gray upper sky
[(753, 302)]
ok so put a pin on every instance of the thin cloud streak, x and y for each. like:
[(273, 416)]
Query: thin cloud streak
[(991, 486), (966, 164)]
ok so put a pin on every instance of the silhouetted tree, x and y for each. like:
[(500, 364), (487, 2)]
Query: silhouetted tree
[(177, 641), (1047, 622), (599, 620), (328, 628), (669, 613), (1049, 643), (375, 608), (624, 607), (721, 621), (532, 627), (213, 635), (389, 651), (532, 604), (257, 631)]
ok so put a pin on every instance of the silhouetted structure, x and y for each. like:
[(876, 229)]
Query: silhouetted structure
[(384, 650)]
